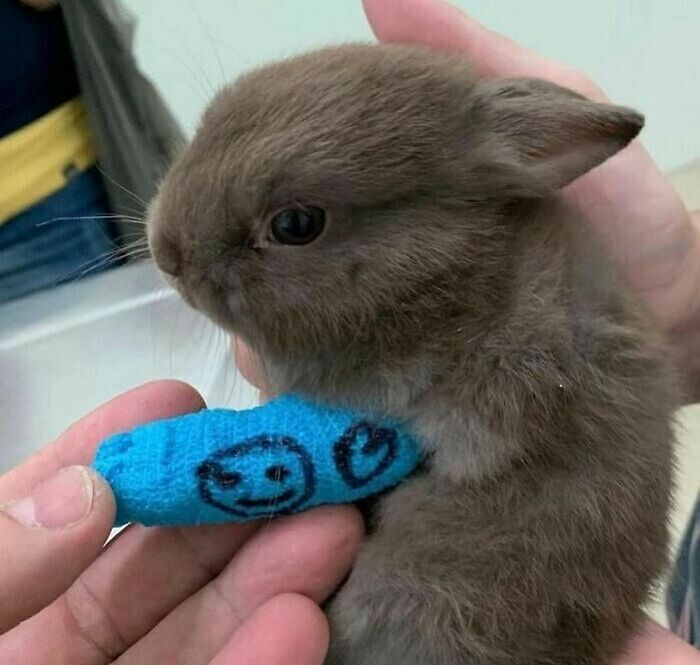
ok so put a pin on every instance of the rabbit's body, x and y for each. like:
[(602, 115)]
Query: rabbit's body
[(448, 287), (549, 560)]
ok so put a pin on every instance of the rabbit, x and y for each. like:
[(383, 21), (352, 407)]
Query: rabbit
[(386, 230)]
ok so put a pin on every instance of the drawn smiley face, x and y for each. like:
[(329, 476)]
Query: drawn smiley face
[(259, 477)]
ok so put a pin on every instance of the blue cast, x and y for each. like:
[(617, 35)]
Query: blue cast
[(234, 466)]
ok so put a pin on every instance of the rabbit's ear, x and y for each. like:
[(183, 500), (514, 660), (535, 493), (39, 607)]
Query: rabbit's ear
[(552, 135)]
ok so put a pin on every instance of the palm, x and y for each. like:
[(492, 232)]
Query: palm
[(627, 200)]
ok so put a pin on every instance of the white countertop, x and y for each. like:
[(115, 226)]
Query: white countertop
[(67, 350)]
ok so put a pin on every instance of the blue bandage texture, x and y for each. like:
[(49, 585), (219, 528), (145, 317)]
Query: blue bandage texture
[(234, 466)]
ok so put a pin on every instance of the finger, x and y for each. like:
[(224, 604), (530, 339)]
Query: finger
[(440, 25), (287, 630), (250, 367), (684, 339), (48, 538), (248, 364), (142, 575), (307, 554), (159, 399), (647, 230), (658, 645)]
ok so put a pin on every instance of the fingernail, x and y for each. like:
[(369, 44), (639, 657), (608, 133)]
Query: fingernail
[(61, 501)]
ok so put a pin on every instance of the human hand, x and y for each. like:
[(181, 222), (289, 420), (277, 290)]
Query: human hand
[(656, 645), (233, 594), (627, 200)]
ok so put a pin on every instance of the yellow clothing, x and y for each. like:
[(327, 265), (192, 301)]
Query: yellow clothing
[(36, 159)]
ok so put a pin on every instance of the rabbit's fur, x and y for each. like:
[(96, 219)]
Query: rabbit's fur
[(451, 289)]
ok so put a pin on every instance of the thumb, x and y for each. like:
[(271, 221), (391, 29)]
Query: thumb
[(48, 537), (441, 25)]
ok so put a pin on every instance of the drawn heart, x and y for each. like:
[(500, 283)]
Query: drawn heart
[(364, 441)]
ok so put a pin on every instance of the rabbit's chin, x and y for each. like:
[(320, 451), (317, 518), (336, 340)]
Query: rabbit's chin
[(221, 308)]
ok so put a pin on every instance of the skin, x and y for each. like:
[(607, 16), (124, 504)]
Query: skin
[(221, 595)]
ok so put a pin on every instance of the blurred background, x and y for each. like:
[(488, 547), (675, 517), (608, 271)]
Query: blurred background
[(644, 53), (112, 324)]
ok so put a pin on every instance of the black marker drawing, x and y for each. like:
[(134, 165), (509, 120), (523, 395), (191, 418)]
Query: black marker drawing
[(258, 477), (369, 441)]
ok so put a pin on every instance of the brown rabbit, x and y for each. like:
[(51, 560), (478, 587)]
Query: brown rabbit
[(385, 231)]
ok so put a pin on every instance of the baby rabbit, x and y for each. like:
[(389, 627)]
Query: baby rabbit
[(385, 230)]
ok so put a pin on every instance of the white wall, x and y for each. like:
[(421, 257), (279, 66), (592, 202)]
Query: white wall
[(644, 52)]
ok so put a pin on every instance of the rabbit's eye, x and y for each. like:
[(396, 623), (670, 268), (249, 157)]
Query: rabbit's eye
[(297, 226)]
